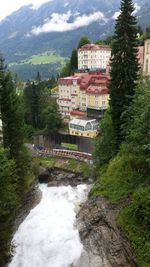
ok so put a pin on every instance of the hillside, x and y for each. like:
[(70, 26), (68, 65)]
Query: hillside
[(58, 25)]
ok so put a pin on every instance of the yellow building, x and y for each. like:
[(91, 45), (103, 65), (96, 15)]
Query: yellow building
[(97, 98), (83, 92), (84, 127), (146, 68)]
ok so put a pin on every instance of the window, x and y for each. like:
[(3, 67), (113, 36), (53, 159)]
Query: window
[(147, 48), (146, 67)]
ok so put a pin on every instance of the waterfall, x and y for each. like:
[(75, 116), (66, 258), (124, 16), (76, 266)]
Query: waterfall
[(48, 236)]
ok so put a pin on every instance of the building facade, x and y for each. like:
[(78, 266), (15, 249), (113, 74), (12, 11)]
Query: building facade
[(84, 127), (92, 56), (68, 99), (83, 92), (146, 68)]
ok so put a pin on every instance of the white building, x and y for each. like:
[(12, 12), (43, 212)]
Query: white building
[(92, 56), (84, 127)]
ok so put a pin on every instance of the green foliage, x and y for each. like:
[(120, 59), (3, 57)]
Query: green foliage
[(66, 70), (108, 41), (74, 61), (124, 68), (135, 219), (71, 65), (8, 202), (71, 165), (103, 151), (84, 40), (52, 118), (126, 179), (35, 100)]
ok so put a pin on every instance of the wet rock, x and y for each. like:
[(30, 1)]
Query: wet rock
[(101, 237), (44, 176)]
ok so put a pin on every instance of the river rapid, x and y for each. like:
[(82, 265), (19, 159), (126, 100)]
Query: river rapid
[(48, 237)]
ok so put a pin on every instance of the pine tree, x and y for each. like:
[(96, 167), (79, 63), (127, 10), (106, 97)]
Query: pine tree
[(12, 119), (74, 61), (84, 40), (124, 68)]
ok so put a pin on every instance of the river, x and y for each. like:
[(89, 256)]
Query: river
[(48, 236)]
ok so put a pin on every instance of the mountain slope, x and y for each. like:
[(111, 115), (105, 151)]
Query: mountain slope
[(58, 25)]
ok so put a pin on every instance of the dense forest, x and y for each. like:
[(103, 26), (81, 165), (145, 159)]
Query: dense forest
[(122, 150)]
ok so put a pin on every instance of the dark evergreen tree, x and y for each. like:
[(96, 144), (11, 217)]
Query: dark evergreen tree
[(74, 61), (84, 40), (12, 119), (124, 68)]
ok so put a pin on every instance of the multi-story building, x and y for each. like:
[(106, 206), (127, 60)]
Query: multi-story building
[(69, 89), (146, 68), (140, 56), (87, 92), (92, 56)]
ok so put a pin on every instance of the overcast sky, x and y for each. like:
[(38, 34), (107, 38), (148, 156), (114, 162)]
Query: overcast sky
[(8, 6)]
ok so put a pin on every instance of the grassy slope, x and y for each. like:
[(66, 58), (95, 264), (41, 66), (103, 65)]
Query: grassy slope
[(47, 57)]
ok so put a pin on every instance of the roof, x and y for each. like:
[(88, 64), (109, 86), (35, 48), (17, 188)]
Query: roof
[(94, 47), (77, 113), (94, 90), (82, 122), (69, 80)]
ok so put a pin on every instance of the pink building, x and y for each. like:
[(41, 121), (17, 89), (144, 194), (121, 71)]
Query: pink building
[(140, 55)]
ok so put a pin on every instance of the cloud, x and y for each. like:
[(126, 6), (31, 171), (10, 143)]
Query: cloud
[(116, 14), (60, 22), (137, 8), (37, 3)]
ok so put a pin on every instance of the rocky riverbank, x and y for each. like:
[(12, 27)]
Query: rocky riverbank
[(104, 244), (61, 177)]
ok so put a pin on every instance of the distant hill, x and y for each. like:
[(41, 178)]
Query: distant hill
[(57, 26)]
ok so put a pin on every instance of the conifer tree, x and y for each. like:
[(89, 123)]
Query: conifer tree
[(74, 61), (12, 120), (124, 68)]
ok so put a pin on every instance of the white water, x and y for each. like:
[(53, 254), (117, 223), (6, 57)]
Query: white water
[(48, 237)]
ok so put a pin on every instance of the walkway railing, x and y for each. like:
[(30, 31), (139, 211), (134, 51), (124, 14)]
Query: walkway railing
[(65, 153)]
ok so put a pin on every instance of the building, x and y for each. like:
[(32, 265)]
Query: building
[(140, 56), (146, 68), (77, 114), (92, 56), (83, 127), (84, 92), (68, 100)]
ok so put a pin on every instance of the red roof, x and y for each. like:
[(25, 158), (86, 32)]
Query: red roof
[(94, 47), (92, 90), (69, 80), (77, 113), (91, 80)]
